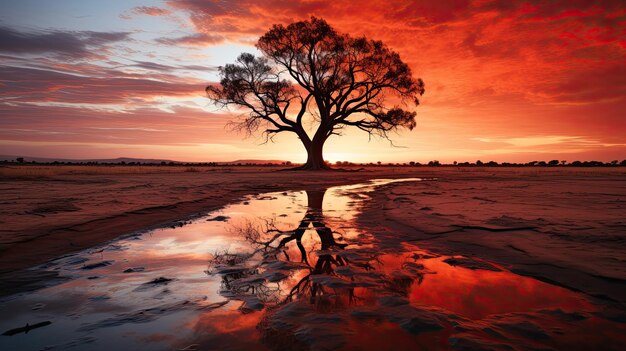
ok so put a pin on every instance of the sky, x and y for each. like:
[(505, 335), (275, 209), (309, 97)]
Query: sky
[(508, 81)]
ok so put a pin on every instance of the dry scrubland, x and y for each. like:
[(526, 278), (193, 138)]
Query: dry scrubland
[(560, 224)]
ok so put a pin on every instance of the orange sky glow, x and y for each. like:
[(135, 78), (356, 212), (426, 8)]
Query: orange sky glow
[(505, 80)]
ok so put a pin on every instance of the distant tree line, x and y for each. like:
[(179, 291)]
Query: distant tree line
[(20, 160), (433, 163), (479, 163)]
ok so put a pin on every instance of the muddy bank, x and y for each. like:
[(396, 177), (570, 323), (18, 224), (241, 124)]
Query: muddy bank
[(563, 228), (43, 217)]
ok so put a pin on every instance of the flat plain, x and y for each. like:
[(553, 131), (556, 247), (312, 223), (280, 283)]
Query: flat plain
[(458, 257)]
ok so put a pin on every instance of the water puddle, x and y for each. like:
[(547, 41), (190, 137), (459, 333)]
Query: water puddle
[(289, 270)]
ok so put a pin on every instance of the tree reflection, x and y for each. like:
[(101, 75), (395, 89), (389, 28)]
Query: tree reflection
[(313, 282), (271, 273)]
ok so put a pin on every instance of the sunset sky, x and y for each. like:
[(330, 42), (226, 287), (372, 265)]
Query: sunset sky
[(505, 80)]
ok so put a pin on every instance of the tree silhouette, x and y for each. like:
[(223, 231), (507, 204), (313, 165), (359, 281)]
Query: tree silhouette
[(308, 70)]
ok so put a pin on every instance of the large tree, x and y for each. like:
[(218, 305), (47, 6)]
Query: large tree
[(310, 70)]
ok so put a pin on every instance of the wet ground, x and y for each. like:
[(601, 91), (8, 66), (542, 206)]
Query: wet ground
[(292, 270)]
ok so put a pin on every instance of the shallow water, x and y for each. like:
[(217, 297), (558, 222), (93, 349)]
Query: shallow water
[(225, 281)]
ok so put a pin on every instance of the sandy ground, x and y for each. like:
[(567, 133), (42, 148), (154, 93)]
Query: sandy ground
[(566, 227), (562, 225)]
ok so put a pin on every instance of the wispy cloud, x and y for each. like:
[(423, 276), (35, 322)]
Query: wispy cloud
[(68, 44), (199, 39), (151, 11), (141, 129), (40, 85), (547, 144)]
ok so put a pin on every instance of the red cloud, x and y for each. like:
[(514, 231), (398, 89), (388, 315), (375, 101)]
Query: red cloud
[(505, 47)]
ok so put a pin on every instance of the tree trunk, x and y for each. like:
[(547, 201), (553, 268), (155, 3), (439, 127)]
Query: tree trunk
[(315, 158)]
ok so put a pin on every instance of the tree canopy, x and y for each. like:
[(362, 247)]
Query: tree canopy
[(309, 69)]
